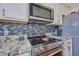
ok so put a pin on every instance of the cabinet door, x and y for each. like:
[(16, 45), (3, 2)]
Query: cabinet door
[(16, 10), (1, 10), (58, 14), (68, 47)]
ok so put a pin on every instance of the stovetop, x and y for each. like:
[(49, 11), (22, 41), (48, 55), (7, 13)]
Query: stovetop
[(38, 40)]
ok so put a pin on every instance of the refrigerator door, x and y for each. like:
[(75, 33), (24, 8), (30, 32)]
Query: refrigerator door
[(71, 29), (75, 46), (71, 25)]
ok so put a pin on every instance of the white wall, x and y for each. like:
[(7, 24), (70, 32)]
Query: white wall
[(75, 6), (72, 7)]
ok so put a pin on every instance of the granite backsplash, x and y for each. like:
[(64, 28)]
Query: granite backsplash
[(29, 29)]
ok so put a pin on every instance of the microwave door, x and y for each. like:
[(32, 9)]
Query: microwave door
[(35, 11), (44, 13)]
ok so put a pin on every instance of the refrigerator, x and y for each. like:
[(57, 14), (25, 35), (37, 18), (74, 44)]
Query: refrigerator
[(70, 29)]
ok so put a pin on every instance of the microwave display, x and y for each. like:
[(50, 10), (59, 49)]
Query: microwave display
[(40, 11)]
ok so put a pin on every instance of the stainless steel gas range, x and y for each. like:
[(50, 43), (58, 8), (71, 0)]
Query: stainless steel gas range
[(42, 45)]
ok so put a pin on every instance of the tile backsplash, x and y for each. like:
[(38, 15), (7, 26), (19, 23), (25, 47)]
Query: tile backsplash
[(37, 29), (29, 29), (7, 29)]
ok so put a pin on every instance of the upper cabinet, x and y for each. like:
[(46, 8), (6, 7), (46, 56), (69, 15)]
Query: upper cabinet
[(1, 11), (58, 14), (14, 11)]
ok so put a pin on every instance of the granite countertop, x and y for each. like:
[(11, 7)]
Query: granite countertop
[(59, 37)]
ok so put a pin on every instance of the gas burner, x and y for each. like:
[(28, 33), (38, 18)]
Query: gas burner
[(38, 40)]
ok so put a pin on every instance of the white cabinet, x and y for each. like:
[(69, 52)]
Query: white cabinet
[(15, 11), (67, 47), (65, 9), (58, 14), (1, 10)]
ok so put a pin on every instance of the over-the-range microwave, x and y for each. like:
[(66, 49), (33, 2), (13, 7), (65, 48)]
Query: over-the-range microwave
[(38, 11)]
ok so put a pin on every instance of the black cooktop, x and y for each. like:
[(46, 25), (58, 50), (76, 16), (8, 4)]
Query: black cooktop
[(38, 40)]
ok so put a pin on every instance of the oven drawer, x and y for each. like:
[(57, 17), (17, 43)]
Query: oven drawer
[(53, 52), (50, 48)]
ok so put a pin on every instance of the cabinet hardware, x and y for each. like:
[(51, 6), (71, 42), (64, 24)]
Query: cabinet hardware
[(3, 12)]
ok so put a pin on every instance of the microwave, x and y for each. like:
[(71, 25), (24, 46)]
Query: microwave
[(40, 11)]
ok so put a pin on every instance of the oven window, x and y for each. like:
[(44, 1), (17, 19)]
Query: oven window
[(39, 11)]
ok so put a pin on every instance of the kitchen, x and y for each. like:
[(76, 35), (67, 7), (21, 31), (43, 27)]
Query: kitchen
[(38, 29)]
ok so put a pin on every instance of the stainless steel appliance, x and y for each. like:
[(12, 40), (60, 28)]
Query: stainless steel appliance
[(71, 30), (41, 11), (41, 44)]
